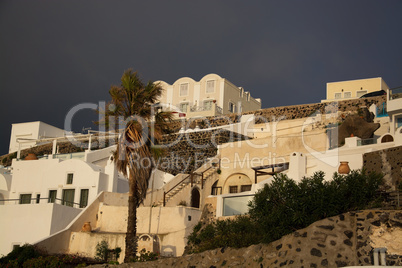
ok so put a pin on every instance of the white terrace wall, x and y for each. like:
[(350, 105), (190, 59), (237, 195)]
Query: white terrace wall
[(108, 217), (28, 223)]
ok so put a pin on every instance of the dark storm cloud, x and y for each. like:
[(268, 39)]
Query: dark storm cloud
[(57, 54)]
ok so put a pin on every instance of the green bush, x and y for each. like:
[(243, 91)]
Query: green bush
[(146, 256), (104, 254), (19, 255), (226, 233), (284, 206), (43, 262), (29, 256)]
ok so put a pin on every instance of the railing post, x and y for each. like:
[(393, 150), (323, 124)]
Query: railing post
[(202, 181), (191, 179), (164, 198)]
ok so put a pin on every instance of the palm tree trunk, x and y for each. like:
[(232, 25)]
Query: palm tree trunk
[(131, 235)]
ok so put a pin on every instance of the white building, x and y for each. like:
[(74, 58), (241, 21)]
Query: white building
[(353, 89), (394, 108), (24, 135), (42, 196), (212, 95)]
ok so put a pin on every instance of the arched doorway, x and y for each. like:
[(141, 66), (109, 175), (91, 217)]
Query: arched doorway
[(387, 138), (195, 198)]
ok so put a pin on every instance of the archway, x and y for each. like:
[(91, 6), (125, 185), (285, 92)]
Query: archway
[(387, 138), (195, 198), (237, 183)]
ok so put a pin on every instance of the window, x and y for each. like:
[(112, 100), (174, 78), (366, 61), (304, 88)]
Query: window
[(70, 178), (25, 198), (398, 122), (52, 196), (232, 189), (360, 93), (84, 198), (68, 197), (338, 95), (208, 105), (37, 198), (184, 89), (245, 188), (232, 107), (210, 86), (183, 107), (347, 95)]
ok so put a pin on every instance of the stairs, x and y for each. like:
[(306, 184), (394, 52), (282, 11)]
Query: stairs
[(175, 190), (199, 176)]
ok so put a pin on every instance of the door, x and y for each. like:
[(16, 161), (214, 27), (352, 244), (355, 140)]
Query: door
[(68, 197), (195, 198)]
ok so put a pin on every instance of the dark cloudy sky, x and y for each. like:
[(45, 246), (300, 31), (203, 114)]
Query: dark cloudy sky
[(57, 54)]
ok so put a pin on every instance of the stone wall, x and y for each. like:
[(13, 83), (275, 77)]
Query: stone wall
[(186, 152), (269, 114), (388, 162), (344, 240)]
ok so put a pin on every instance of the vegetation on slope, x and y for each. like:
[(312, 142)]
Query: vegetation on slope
[(284, 206)]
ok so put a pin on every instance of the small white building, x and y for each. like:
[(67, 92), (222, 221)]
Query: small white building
[(24, 135), (394, 109), (353, 89), (212, 95)]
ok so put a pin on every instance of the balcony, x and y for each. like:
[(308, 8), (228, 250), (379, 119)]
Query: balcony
[(394, 102), (214, 108)]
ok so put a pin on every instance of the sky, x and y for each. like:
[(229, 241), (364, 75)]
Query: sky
[(55, 55)]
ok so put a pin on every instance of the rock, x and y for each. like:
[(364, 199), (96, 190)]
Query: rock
[(357, 126)]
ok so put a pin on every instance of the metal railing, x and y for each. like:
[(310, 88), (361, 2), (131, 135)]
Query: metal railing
[(34, 200), (179, 183), (78, 155), (382, 111), (395, 93), (218, 110), (366, 142)]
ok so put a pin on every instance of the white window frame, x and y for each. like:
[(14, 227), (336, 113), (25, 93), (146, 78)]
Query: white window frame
[(362, 92), (207, 101), (182, 103), (180, 89), (344, 94), (72, 180), (338, 94), (234, 110), (206, 87)]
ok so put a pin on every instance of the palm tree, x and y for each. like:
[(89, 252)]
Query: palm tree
[(134, 102)]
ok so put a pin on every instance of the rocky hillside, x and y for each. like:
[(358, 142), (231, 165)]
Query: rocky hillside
[(344, 240)]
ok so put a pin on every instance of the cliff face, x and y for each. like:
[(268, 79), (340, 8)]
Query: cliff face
[(344, 240)]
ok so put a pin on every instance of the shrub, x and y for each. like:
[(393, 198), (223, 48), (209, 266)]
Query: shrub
[(227, 233), (19, 255), (284, 206), (102, 251), (41, 262), (146, 256), (104, 254)]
